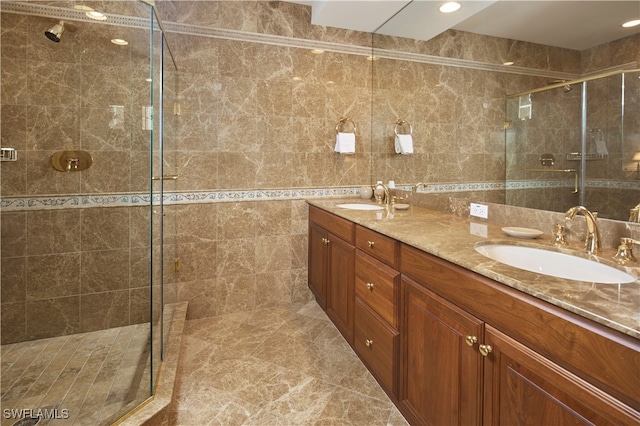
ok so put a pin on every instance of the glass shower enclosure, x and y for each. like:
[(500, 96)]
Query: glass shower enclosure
[(576, 143), (83, 89)]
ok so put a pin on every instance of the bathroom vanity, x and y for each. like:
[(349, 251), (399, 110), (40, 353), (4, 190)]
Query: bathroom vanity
[(454, 338)]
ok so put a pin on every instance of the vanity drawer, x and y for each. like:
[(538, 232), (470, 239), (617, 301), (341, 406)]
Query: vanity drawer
[(338, 226), (377, 285), (377, 245), (377, 345)]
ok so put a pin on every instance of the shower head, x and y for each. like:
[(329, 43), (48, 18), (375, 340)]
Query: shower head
[(55, 32)]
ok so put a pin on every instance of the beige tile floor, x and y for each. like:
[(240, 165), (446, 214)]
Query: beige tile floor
[(95, 375), (280, 366)]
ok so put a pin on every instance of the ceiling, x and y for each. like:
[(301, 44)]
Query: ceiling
[(572, 24)]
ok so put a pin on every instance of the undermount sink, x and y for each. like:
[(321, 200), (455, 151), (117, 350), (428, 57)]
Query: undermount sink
[(358, 206), (553, 263)]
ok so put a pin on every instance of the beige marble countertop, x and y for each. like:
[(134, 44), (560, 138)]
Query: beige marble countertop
[(452, 238)]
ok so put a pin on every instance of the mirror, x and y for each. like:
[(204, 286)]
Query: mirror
[(453, 90)]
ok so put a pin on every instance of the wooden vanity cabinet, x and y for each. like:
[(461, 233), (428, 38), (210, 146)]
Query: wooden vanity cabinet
[(331, 267), (540, 364), (377, 286), (452, 347), (521, 387), (441, 370)]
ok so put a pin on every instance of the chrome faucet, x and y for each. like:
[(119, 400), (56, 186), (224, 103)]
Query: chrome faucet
[(592, 241)]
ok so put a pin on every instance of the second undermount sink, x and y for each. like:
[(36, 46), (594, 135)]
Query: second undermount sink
[(360, 206), (554, 263)]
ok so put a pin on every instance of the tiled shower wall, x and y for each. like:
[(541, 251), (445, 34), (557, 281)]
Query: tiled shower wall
[(70, 270)]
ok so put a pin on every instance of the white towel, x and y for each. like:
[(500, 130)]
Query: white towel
[(404, 144), (345, 143)]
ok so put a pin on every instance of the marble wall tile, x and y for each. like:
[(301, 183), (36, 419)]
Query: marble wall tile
[(236, 257), (52, 128), (236, 220), (139, 301), (105, 228), (53, 231), (53, 317), (273, 288), (13, 324), (13, 234), (139, 259), (14, 280), (53, 276), (202, 297), (14, 82), (101, 311), (236, 293), (104, 270), (272, 253)]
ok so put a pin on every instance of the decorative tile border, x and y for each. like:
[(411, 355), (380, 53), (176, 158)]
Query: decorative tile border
[(9, 204)]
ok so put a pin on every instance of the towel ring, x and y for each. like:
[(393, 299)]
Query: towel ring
[(342, 122), (402, 123)]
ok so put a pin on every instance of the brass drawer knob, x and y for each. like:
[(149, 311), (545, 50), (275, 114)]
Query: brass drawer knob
[(370, 244), (485, 350), (370, 286), (368, 343), (471, 340), (325, 240)]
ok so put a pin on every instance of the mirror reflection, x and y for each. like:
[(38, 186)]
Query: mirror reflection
[(574, 144), (455, 90)]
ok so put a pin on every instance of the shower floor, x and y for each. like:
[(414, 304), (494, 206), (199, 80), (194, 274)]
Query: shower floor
[(81, 379)]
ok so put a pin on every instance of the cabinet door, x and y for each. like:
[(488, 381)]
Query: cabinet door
[(340, 285), (441, 375), (524, 388), (318, 263)]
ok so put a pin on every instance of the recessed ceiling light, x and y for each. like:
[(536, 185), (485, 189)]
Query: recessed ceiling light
[(449, 7), (296, 78), (96, 15), (630, 24), (372, 58), (507, 63), (119, 41), (317, 51)]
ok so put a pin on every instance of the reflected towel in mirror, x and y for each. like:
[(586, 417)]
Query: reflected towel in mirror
[(404, 144), (345, 143)]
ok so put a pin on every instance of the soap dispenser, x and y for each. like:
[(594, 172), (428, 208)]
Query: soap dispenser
[(378, 192)]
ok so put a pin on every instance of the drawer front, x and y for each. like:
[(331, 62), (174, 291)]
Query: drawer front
[(377, 285), (377, 345), (336, 225), (377, 245)]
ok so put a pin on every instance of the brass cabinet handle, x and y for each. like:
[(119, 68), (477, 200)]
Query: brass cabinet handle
[(485, 350), (370, 244), (368, 343), (325, 240), (370, 286), (471, 340)]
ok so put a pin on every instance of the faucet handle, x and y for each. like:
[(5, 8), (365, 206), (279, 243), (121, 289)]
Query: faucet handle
[(625, 253), (558, 235)]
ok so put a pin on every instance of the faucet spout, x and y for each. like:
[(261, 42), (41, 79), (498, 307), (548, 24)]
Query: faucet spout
[(592, 240)]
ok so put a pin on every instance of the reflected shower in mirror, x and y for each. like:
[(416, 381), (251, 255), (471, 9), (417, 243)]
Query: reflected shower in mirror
[(575, 146)]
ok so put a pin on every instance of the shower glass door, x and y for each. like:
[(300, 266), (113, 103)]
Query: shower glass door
[(81, 216)]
